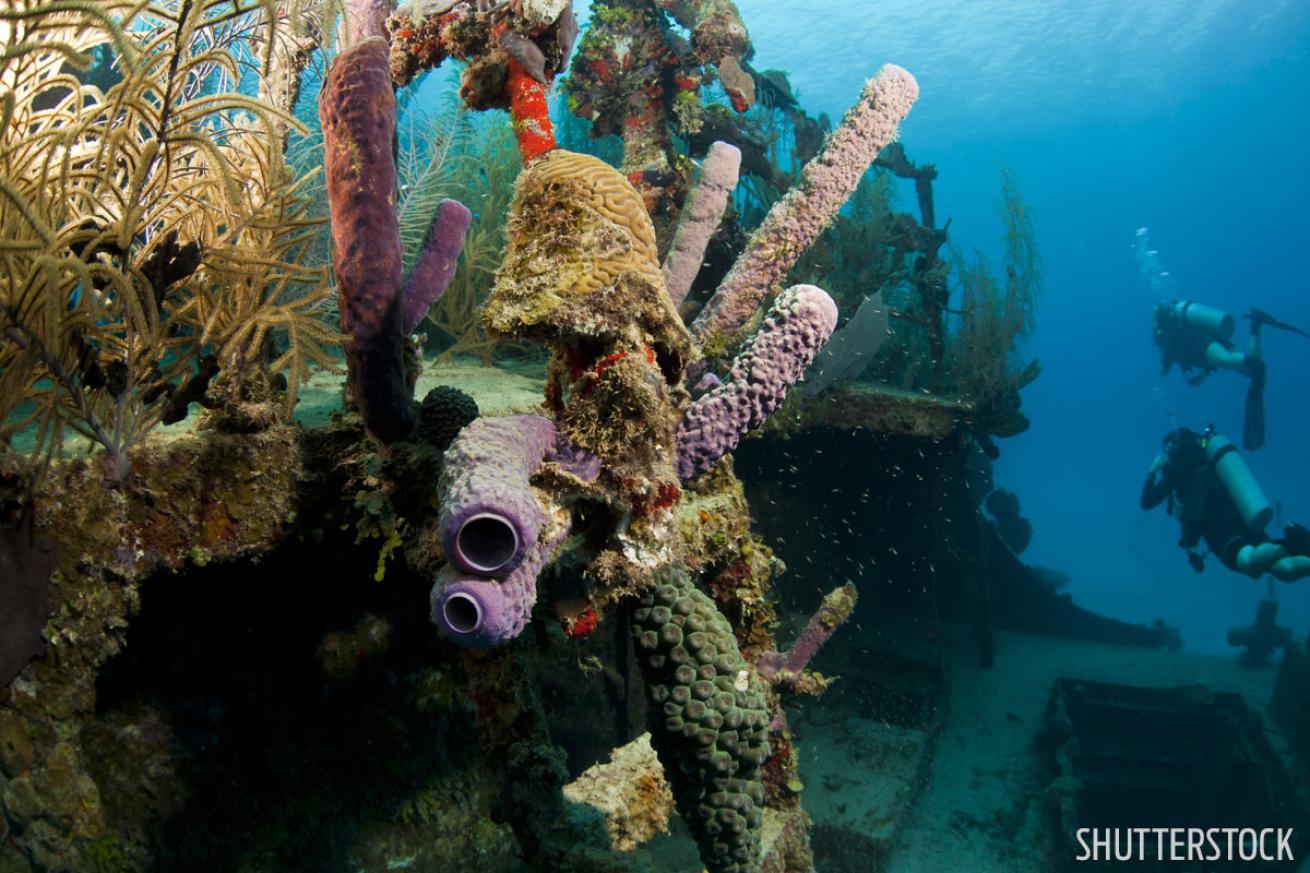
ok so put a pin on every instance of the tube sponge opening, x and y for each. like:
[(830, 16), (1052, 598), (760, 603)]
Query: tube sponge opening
[(462, 613), (490, 516), (480, 613), (487, 542)]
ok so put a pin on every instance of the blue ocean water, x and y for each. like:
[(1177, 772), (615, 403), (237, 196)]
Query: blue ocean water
[(1186, 117)]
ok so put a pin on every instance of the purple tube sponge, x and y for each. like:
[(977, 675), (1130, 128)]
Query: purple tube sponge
[(700, 218), (490, 517), (357, 108), (786, 669), (365, 18), (579, 462), (797, 326), (496, 532), (795, 221), (358, 111), (482, 613), (435, 267)]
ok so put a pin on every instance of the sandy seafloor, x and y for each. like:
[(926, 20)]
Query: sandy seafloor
[(967, 796), (981, 808), (505, 389)]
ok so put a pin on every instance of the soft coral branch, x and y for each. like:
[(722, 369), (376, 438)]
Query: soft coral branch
[(787, 670)]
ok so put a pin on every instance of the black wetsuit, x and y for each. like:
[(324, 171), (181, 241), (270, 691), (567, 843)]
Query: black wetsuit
[(1206, 510), (1184, 344)]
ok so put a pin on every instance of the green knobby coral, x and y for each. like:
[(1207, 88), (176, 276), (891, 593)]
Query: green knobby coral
[(709, 720)]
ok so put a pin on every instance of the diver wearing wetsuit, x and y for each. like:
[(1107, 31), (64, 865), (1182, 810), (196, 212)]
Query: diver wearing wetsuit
[(1201, 346), (1199, 340), (1185, 475)]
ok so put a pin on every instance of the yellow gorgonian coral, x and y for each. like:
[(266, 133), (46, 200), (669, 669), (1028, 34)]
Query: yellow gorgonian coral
[(148, 220)]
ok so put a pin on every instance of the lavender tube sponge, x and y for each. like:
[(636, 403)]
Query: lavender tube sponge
[(435, 267), (786, 668), (797, 326), (482, 613), (358, 112), (795, 221), (490, 517), (366, 18), (700, 218)]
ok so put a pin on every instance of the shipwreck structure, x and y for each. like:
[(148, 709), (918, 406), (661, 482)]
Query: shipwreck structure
[(533, 624)]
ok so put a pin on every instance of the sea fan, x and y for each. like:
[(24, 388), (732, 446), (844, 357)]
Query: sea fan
[(148, 224)]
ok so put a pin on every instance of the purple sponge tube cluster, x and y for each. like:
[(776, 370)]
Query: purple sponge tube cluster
[(490, 516), (357, 109), (378, 304), (798, 324), (491, 525), (482, 613)]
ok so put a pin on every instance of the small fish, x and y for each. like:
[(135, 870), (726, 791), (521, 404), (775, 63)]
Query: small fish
[(526, 52), (565, 34)]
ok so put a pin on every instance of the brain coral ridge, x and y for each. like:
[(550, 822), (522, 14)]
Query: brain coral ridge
[(578, 235)]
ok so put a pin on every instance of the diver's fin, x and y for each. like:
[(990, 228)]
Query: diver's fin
[(1296, 539), (1253, 430), (1259, 318)]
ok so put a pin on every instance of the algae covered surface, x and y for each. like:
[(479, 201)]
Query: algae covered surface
[(403, 467)]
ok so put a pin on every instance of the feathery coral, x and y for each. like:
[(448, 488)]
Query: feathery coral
[(982, 361), (137, 239)]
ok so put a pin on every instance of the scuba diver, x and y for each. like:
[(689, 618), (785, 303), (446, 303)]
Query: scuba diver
[(1215, 497), (1199, 340)]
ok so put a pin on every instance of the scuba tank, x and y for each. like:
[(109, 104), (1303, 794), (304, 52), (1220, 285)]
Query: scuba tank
[(1214, 320), (1238, 481)]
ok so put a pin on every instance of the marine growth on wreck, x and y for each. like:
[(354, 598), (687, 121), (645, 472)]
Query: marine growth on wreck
[(396, 410)]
